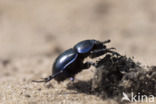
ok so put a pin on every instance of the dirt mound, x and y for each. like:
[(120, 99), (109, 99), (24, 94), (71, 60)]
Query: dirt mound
[(116, 75)]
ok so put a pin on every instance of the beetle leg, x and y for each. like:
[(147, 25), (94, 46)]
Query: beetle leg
[(44, 79), (48, 78), (113, 52), (99, 52)]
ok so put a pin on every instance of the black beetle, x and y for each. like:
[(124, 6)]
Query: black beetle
[(70, 62)]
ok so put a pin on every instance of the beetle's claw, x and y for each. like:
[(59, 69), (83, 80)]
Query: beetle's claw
[(38, 81), (44, 80)]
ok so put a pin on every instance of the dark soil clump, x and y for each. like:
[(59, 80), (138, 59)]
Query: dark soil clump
[(116, 75)]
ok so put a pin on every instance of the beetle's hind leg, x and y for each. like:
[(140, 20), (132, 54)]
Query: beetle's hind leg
[(48, 78), (44, 79)]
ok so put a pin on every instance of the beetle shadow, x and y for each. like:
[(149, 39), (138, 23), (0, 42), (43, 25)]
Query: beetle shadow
[(81, 87), (86, 88)]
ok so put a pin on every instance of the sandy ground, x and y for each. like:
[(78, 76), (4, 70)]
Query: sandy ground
[(33, 33)]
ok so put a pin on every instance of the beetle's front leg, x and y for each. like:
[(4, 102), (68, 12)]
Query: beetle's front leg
[(99, 52)]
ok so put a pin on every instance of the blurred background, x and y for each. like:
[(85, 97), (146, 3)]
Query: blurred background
[(34, 28), (34, 32)]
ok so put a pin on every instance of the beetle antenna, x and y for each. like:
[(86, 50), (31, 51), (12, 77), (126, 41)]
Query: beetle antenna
[(107, 41)]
